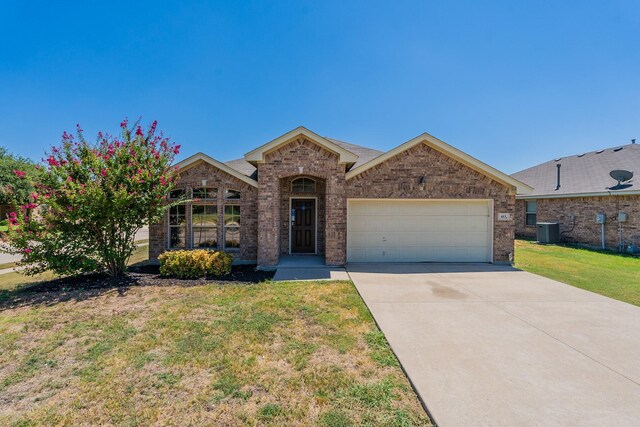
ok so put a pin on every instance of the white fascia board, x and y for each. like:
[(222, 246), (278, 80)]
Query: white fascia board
[(257, 155), (186, 163), (443, 147)]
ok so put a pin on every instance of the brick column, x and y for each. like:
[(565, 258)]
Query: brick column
[(268, 217), (336, 222)]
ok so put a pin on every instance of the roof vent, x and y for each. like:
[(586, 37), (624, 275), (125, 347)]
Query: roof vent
[(620, 176), (580, 155), (633, 141), (618, 149), (599, 151), (557, 160)]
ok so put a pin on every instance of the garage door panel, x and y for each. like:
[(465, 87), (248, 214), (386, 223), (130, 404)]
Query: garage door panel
[(418, 231)]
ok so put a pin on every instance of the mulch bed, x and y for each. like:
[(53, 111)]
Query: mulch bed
[(148, 275)]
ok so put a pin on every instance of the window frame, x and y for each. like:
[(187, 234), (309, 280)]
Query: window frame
[(530, 213), (305, 180), (184, 225), (206, 198), (238, 227), (194, 226)]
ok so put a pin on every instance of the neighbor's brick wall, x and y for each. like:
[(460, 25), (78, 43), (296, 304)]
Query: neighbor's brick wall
[(192, 177), (446, 178), (583, 211), (285, 213), (285, 163)]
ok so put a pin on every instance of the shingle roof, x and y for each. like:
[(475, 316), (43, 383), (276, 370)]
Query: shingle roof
[(583, 173), (364, 155)]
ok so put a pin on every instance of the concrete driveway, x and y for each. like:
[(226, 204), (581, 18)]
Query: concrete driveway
[(492, 345)]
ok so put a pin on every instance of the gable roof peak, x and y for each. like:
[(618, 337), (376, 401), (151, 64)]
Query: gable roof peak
[(344, 155)]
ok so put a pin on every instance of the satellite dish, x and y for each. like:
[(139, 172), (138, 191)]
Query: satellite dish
[(620, 176)]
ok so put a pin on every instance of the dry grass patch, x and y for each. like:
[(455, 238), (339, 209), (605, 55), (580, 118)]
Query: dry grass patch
[(267, 354)]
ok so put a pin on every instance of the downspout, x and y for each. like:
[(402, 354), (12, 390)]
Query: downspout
[(558, 183)]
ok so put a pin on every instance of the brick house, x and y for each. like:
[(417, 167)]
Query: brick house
[(304, 194), (573, 190)]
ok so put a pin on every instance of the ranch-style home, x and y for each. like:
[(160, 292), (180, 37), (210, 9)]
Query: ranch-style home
[(579, 193), (304, 194)]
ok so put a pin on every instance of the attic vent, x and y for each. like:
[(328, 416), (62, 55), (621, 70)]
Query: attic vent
[(580, 155), (557, 160), (618, 149), (599, 151)]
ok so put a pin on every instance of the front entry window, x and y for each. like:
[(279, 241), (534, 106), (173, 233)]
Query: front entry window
[(303, 185)]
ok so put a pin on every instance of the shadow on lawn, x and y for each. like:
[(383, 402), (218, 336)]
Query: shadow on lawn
[(86, 287)]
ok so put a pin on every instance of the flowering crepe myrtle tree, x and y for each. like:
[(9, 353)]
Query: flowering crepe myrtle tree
[(16, 179), (93, 198)]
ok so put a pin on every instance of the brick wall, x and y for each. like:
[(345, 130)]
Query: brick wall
[(192, 177), (576, 216), (284, 163), (446, 178)]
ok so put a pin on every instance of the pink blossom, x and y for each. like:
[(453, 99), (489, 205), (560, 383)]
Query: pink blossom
[(153, 126), (176, 149), (27, 251), (139, 131), (52, 161), (124, 123), (103, 172), (19, 174), (29, 206), (13, 221), (79, 128), (163, 181), (12, 215), (70, 179), (34, 196)]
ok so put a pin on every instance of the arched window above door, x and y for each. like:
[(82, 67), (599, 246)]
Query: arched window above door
[(303, 185)]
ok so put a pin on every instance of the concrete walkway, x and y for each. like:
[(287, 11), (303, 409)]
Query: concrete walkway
[(491, 345), (307, 267)]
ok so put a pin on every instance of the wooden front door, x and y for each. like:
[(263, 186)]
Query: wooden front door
[(303, 226)]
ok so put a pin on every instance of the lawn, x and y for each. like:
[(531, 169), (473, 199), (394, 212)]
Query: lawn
[(198, 353), (613, 275)]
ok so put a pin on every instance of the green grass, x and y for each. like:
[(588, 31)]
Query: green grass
[(236, 355), (609, 274)]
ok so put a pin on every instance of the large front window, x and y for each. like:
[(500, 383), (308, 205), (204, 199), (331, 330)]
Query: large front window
[(204, 223), (531, 212), (177, 227), (232, 226)]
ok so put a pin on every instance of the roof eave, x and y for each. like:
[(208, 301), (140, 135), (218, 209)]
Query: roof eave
[(198, 157), (587, 194)]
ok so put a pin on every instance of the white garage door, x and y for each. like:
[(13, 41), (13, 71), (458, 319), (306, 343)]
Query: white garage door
[(419, 231)]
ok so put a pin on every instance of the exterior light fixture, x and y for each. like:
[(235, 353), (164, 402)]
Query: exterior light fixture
[(204, 182), (422, 181)]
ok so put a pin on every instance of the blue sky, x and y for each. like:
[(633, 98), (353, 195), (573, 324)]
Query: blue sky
[(511, 83)]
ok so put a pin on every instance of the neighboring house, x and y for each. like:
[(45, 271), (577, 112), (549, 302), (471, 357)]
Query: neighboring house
[(572, 190), (306, 194)]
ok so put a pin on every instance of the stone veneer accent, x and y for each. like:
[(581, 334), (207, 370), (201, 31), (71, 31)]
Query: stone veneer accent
[(446, 178), (577, 218), (285, 162), (192, 177)]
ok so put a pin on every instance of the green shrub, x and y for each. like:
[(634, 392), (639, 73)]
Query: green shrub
[(195, 263)]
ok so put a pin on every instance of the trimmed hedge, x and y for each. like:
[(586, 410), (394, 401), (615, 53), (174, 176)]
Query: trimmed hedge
[(192, 264)]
